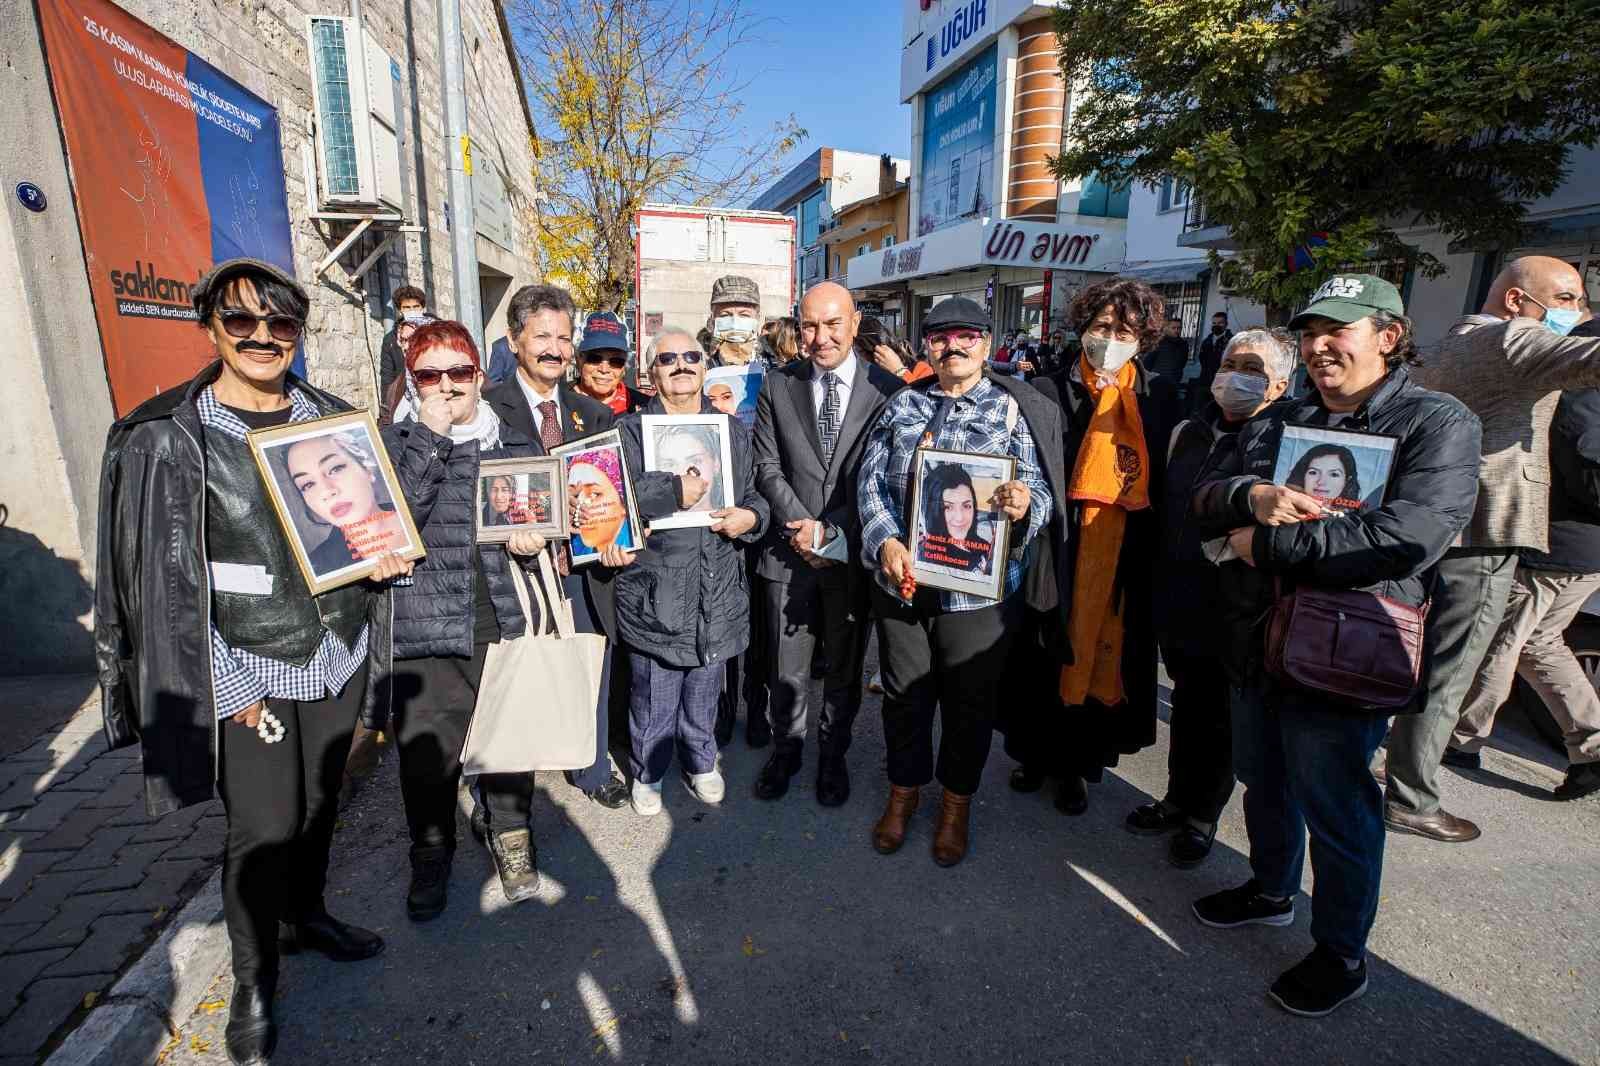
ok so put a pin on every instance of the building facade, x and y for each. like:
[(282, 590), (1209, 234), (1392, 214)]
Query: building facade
[(202, 88), (988, 219), (825, 182), (873, 224)]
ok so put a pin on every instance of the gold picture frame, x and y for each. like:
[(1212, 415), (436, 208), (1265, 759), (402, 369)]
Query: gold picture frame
[(345, 495)]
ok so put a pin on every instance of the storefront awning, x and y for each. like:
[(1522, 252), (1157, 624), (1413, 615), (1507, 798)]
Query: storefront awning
[(1176, 273), (1088, 245)]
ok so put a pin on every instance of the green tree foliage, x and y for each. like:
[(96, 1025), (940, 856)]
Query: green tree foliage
[(634, 101), (1353, 119)]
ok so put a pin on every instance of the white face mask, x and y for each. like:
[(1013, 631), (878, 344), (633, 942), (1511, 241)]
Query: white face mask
[(1107, 355), (1238, 394), (733, 328)]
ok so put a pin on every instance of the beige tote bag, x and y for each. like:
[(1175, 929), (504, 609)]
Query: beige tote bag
[(539, 693)]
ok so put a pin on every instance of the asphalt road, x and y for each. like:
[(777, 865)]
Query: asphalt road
[(772, 933)]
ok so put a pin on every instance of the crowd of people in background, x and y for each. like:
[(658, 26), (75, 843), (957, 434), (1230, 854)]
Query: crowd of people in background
[(1148, 529)]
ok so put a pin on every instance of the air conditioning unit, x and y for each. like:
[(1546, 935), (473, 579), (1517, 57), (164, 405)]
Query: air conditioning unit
[(1230, 277), (355, 89)]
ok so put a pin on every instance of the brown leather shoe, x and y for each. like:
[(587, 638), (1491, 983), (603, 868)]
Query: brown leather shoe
[(950, 835), (890, 832), (1441, 825)]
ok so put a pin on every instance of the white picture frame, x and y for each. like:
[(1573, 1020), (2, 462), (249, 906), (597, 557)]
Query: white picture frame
[(973, 562), (702, 444)]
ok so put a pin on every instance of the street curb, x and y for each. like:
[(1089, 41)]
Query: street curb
[(134, 1022), (153, 1000)]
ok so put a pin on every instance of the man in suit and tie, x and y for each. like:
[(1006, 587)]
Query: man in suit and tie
[(539, 403), (812, 422)]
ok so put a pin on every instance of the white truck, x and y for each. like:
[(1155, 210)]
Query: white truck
[(680, 251)]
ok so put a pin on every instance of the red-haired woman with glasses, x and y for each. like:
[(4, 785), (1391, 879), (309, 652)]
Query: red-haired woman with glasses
[(460, 601)]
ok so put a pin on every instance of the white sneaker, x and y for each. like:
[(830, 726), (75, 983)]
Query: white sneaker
[(646, 799), (875, 683), (708, 788)]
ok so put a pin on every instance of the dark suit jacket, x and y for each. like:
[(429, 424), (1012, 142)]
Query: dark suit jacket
[(789, 468), (580, 417)]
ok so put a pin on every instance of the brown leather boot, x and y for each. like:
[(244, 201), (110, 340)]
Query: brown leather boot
[(890, 832), (950, 835)]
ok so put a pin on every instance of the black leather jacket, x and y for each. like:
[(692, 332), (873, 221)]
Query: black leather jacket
[(152, 626)]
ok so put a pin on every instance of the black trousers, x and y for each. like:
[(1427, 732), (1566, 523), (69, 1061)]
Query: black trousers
[(433, 702), (745, 681), (282, 800), (585, 619), (798, 616), (952, 662), (1200, 760)]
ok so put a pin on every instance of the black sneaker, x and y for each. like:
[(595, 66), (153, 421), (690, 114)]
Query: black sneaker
[(517, 861), (1461, 760), (1319, 984), (430, 885), (1583, 779), (1244, 905)]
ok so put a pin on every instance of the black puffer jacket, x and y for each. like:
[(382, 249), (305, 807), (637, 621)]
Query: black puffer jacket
[(685, 600), (433, 615), (1390, 551), (152, 611)]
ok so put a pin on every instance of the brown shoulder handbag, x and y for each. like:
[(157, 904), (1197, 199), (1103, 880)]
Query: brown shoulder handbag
[(1359, 647)]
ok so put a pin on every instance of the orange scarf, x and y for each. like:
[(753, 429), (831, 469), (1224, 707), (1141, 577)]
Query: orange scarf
[(1112, 477)]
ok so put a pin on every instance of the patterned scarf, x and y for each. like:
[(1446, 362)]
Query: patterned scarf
[(1111, 477)]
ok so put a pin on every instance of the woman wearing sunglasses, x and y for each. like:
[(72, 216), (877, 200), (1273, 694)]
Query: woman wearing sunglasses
[(461, 601), (235, 677), (603, 365)]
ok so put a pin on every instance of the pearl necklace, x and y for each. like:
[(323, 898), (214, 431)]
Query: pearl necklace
[(270, 729)]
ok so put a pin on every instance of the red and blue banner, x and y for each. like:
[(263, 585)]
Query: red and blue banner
[(175, 166)]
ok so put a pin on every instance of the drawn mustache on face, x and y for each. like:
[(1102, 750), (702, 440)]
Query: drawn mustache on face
[(681, 373), (550, 359), (256, 346)]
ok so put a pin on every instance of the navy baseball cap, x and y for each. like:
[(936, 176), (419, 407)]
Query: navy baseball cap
[(603, 331)]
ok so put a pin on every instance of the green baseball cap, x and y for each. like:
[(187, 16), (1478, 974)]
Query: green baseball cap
[(1348, 297)]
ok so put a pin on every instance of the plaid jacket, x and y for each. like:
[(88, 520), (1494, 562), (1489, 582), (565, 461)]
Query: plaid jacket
[(977, 423)]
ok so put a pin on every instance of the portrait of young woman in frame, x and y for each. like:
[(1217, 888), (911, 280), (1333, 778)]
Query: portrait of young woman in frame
[(336, 496)]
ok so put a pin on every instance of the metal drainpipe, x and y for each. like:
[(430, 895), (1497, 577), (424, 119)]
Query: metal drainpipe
[(463, 240)]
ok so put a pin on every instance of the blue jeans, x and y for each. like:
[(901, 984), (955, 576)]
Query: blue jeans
[(1306, 767)]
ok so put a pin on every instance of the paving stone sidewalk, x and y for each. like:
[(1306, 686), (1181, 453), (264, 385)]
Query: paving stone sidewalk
[(86, 877)]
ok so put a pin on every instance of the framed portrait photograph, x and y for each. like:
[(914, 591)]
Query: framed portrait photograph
[(1346, 469), (733, 390), (599, 497), (691, 444), (524, 495), (959, 538), (336, 497)]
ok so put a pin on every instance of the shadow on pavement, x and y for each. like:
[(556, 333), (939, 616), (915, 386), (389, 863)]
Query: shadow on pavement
[(773, 933)]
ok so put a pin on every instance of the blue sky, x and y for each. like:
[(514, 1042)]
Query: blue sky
[(836, 65)]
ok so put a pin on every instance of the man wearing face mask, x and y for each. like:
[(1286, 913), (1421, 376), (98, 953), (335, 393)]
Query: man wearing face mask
[(735, 322), (1254, 372), (732, 337), (1210, 358), (1508, 365)]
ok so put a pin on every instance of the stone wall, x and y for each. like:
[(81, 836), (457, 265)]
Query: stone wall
[(261, 44)]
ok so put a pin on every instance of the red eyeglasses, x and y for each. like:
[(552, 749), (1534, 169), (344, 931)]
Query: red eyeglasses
[(427, 377), (617, 362)]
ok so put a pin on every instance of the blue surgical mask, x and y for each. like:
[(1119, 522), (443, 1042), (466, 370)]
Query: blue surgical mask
[(1560, 320)]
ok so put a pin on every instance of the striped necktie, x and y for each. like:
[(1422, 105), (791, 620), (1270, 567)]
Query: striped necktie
[(828, 417)]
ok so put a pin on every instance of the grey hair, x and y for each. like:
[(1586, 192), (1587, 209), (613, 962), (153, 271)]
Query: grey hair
[(1277, 347), (655, 343), (531, 299)]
